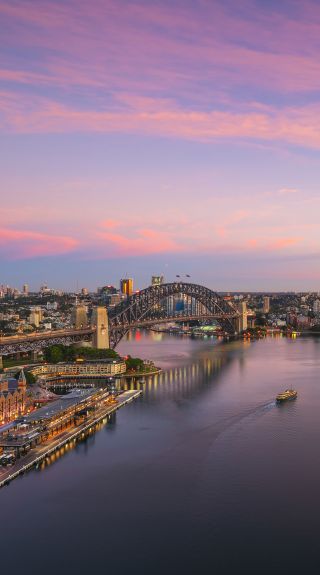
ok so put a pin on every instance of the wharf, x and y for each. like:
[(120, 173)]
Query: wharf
[(42, 451)]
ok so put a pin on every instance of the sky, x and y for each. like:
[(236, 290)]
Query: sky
[(160, 136)]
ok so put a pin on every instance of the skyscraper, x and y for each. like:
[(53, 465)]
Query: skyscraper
[(126, 286), (25, 289)]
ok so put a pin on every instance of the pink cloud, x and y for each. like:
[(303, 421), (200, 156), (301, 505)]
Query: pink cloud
[(140, 242), (17, 244), (276, 244), (125, 46), (298, 126), (111, 224), (281, 243)]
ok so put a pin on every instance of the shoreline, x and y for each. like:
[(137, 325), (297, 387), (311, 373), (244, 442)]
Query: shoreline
[(32, 459), (136, 375)]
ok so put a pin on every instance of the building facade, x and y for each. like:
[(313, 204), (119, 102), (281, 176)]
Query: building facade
[(103, 368), (13, 396), (126, 286)]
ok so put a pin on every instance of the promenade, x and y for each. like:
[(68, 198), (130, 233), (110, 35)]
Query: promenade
[(36, 455)]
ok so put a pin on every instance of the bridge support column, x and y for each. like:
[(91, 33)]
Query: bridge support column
[(100, 323), (1, 362), (34, 355), (242, 321)]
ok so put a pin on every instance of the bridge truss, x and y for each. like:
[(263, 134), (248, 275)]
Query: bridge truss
[(27, 344), (155, 304), (148, 307)]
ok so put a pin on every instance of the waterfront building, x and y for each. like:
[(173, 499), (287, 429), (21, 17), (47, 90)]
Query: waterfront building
[(94, 368), (39, 424), (126, 286), (303, 321), (13, 395)]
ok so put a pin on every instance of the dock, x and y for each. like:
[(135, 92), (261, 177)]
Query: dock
[(39, 453)]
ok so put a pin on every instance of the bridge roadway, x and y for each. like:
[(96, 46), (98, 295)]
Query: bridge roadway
[(35, 341), (44, 335), (61, 333), (39, 453)]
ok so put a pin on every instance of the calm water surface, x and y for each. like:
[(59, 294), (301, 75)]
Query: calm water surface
[(203, 474)]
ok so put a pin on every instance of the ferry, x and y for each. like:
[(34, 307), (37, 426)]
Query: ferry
[(286, 395)]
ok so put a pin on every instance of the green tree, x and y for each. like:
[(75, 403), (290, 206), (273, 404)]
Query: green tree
[(54, 353), (134, 363)]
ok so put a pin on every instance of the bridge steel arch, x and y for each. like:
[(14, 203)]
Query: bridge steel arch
[(144, 308)]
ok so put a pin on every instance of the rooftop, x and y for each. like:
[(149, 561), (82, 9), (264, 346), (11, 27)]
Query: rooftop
[(65, 402)]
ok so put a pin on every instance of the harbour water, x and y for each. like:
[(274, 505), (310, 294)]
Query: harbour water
[(203, 474)]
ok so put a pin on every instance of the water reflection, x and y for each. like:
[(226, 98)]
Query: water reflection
[(189, 374), (81, 443), (176, 381), (223, 481)]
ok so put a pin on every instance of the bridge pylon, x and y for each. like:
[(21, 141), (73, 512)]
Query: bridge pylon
[(242, 321), (100, 323)]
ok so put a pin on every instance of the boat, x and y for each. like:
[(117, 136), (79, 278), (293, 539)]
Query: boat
[(286, 395)]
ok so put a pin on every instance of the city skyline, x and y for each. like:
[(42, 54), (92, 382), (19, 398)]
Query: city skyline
[(162, 138)]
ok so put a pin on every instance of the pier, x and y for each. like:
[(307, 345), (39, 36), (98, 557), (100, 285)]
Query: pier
[(39, 453)]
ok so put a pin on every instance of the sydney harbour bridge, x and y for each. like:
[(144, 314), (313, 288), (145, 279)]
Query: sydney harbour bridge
[(145, 308)]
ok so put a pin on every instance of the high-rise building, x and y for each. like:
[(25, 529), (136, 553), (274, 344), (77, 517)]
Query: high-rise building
[(266, 304), (84, 291), (99, 322), (126, 286), (107, 290), (25, 289), (157, 280), (80, 316), (35, 316)]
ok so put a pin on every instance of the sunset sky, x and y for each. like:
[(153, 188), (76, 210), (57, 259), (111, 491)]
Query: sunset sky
[(172, 136)]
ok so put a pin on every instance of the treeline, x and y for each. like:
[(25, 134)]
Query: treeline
[(59, 352)]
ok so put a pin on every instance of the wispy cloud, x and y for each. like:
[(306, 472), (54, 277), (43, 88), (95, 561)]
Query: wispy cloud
[(296, 126), (287, 191), (22, 244), (189, 70)]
